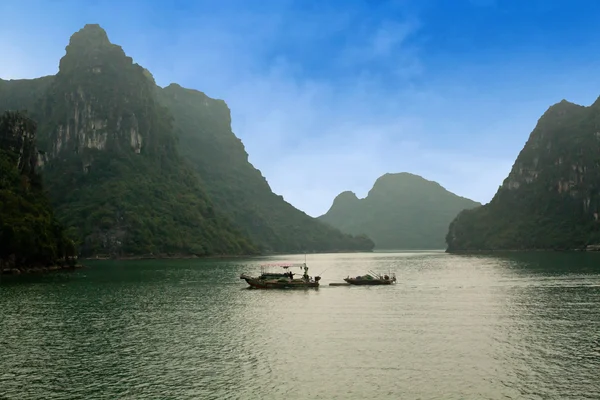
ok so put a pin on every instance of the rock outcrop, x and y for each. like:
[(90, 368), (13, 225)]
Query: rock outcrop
[(100, 99)]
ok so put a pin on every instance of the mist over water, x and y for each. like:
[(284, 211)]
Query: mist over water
[(520, 325)]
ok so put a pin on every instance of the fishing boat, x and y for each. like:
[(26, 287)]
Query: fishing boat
[(372, 278), (281, 280)]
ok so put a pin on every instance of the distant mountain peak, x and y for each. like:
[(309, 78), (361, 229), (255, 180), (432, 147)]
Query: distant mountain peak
[(399, 176), (345, 197), (399, 181), (89, 49), (560, 108), (91, 35)]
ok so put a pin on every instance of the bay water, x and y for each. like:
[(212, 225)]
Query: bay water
[(502, 326)]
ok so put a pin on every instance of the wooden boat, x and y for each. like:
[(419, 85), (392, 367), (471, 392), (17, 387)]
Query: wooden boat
[(281, 280), (372, 279)]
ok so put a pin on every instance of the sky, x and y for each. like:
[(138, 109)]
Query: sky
[(329, 95)]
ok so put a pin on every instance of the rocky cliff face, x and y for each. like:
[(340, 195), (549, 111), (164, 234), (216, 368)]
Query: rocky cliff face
[(17, 137), (111, 162), (30, 236), (401, 211), (551, 198), (101, 100)]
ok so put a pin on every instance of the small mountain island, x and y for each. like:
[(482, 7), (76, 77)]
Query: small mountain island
[(133, 169), (551, 198), (401, 211)]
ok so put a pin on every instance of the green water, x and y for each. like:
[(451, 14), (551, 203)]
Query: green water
[(520, 326)]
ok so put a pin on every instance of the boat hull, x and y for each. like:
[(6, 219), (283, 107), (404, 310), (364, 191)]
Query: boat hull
[(275, 284), (368, 282)]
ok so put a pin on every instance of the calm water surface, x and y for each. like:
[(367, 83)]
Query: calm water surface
[(520, 326)]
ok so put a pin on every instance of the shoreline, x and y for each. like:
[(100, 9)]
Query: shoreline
[(207, 257), (574, 250), (163, 257), (64, 268), (39, 270)]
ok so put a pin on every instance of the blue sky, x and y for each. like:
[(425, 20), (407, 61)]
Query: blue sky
[(329, 95)]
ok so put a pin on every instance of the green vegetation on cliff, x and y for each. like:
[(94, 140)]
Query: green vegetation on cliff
[(551, 198), (239, 189), (30, 235), (111, 163), (401, 211)]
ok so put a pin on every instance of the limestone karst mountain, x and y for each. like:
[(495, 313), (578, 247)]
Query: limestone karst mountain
[(122, 170), (401, 211), (551, 198)]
